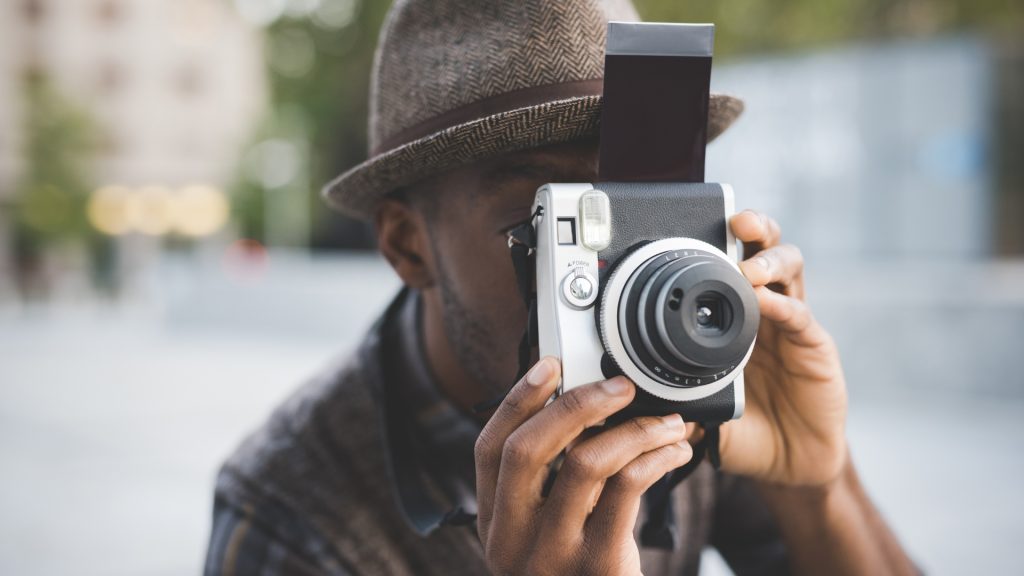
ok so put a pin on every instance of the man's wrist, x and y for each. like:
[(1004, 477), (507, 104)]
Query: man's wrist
[(811, 498), (832, 528)]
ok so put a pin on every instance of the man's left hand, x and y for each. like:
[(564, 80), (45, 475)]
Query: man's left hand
[(793, 429)]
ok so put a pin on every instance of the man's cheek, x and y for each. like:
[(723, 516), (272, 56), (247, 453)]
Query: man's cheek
[(490, 272), (507, 331)]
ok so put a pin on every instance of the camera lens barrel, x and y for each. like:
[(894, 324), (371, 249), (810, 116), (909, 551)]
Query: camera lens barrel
[(729, 313), (687, 317)]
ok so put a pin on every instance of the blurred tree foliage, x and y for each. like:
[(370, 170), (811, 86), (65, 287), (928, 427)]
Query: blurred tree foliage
[(319, 67), (53, 189)]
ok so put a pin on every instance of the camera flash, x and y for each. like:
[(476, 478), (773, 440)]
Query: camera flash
[(595, 220)]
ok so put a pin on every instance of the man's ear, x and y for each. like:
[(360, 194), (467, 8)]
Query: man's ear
[(403, 240)]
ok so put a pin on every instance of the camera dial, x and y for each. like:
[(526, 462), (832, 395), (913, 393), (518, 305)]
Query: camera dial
[(579, 288)]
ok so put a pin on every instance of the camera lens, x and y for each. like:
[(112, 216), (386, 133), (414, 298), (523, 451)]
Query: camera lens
[(703, 316), (687, 317), (709, 313)]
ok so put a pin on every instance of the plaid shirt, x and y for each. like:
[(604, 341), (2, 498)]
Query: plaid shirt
[(257, 535)]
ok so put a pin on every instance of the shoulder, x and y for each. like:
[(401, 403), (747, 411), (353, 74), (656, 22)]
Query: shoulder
[(305, 469), (302, 431), (318, 479)]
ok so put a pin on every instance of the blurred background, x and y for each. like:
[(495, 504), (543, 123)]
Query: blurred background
[(168, 272)]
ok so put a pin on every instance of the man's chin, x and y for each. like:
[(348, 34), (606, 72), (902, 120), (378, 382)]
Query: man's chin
[(497, 383)]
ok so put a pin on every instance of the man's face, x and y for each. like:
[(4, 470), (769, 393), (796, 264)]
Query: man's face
[(483, 314)]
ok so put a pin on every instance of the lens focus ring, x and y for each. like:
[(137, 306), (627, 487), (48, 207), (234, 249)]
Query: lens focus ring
[(687, 317)]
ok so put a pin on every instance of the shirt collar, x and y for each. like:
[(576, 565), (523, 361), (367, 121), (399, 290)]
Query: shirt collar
[(429, 442)]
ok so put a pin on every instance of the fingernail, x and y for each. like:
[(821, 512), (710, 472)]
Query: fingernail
[(540, 373), (685, 445), (616, 386), (762, 262)]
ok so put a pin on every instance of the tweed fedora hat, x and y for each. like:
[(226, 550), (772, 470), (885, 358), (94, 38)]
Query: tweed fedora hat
[(455, 81)]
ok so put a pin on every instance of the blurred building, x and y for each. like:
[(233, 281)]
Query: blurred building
[(870, 152), (882, 162), (173, 87)]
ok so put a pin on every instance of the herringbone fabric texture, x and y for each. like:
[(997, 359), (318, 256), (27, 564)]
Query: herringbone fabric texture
[(488, 48), (436, 57)]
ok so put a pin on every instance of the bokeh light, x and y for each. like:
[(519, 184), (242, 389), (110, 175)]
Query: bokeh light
[(273, 163), (199, 210), (245, 259), (336, 14), (261, 12), (108, 210), (292, 53), (194, 211), (151, 210)]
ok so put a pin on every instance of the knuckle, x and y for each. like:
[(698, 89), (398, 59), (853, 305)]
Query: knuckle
[(575, 401), (797, 309), (517, 451), (802, 314), (681, 454), (514, 403), (635, 476), (582, 463), (645, 428), (484, 448), (789, 309)]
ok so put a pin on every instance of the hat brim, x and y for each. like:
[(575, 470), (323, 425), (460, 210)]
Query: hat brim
[(357, 192)]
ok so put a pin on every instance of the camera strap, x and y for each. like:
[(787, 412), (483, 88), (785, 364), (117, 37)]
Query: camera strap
[(522, 243), (659, 527)]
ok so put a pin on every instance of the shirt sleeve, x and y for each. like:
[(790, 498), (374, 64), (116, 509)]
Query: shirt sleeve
[(744, 531), (265, 539)]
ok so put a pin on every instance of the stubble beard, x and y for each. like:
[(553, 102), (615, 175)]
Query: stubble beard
[(473, 341)]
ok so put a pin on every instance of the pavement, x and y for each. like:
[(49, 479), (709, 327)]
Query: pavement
[(114, 416)]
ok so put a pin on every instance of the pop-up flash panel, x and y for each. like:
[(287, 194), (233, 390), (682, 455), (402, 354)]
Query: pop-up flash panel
[(655, 113)]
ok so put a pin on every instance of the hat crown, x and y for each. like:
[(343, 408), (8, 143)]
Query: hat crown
[(436, 56)]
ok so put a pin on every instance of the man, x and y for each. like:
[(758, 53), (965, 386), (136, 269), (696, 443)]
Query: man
[(476, 104)]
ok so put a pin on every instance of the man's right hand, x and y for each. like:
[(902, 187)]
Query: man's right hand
[(585, 524)]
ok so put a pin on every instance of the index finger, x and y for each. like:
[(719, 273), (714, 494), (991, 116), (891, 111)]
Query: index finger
[(523, 400), (757, 231)]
